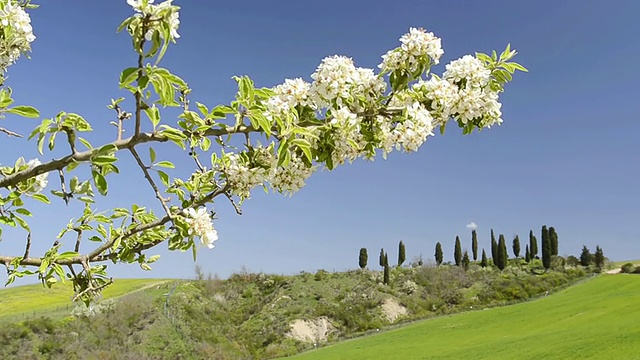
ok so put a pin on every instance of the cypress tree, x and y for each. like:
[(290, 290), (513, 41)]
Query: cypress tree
[(386, 274), (599, 257), (386, 259), (527, 254), (457, 253), (546, 248), (438, 254), (502, 253), (553, 237), (474, 244), (484, 262), (585, 256), (381, 261), (363, 259), (494, 248), (533, 245), (516, 246), (401, 253), (465, 261)]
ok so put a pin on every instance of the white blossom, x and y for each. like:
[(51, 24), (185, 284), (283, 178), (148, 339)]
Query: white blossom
[(16, 35), (291, 93), (333, 80), (291, 178), (443, 95), (470, 69), (242, 177), (40, 180), (200, 225), (418, 42), (417, 45)]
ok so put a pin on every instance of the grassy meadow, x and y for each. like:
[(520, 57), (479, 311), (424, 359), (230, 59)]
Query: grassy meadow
[(33, 299), (599, 319)]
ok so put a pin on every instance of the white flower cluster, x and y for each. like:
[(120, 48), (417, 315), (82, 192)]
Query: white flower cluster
[(407, 135), (288, 95), (467, 68), (291, 178), (40, 180), (443, 96), (16, 35), (241, 177), (345, 135), (337, 82), (343, 94), (416, 45), (165, 11), (200, 225), (475, 99)]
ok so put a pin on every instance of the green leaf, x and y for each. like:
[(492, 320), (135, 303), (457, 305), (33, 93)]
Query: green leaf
[(106, 150), (127, 76), (164, 177), (206, 144), (165, 164), (303, 145), (86, 143), (152, 154), (24, 111), (153, 113), (100, 182), (67, 255), (41, 197), (23, 224), (23, 211), (103, 160)]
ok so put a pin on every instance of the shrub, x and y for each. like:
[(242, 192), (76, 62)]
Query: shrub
[(627, 268)]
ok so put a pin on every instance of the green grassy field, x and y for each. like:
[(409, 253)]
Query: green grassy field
[(29, 300), (599, 319)]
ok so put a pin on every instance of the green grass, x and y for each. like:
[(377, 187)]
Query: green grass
[(598, 319), (29, 300)]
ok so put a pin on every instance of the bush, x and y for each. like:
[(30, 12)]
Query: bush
[(627, 268)]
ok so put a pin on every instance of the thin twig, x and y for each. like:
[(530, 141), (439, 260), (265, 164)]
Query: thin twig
[(235, 206), (194, 155), (28, 247), (145, 170), (10, 133), (138, 94), (78, 239), (65, 195), (71, 139), (122, 116)]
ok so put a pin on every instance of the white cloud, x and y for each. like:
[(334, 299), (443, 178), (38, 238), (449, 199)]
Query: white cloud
[(472, 226)]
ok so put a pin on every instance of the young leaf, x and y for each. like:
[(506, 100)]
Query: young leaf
[(100, 182), (24, 111), (165, 164)]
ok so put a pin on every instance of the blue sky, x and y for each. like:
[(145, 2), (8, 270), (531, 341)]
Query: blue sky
[(566, 155)]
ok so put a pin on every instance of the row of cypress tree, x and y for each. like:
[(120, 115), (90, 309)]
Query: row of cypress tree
[(499, 255)]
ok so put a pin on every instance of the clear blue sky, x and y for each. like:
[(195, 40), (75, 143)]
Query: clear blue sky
[(567, 154)]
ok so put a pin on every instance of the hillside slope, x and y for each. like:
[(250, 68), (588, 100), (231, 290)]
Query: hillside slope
[(594, 320), (20, 301)]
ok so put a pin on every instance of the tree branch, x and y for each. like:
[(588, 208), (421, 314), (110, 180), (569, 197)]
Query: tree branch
[(145, 170), (65, 195), (128, 143), (28, 247), (10, 133), (97, 256)]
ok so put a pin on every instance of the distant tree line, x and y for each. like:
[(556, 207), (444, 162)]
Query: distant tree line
[(499, 255)]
